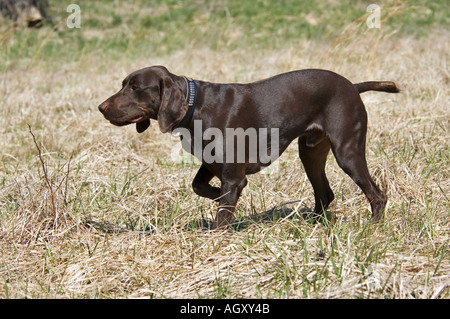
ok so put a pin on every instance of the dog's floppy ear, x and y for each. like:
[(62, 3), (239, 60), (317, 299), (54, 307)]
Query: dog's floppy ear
[(173, 105), (142, 126)]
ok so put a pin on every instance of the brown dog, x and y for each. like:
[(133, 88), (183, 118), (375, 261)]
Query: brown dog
[(321, 108)]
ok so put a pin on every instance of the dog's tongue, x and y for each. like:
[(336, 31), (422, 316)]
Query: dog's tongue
[(142, 126)]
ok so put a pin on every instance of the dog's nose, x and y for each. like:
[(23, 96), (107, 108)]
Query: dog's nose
[(103, 107)]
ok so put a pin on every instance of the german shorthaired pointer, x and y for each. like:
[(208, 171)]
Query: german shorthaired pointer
[(320, 108)]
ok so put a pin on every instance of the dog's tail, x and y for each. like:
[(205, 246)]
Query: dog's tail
[(382, 86)]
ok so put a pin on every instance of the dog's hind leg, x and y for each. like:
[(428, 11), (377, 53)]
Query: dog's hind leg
[(348, 146), (313, 153)]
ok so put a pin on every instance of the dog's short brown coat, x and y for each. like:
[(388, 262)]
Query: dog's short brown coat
[(320, 108)]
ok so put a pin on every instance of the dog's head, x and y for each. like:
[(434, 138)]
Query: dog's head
[(148, 93)]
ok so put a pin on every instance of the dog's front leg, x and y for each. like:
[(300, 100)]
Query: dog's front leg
[(201, 184), (230, 190)]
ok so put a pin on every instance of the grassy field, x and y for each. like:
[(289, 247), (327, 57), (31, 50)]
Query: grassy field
[(88, 210)]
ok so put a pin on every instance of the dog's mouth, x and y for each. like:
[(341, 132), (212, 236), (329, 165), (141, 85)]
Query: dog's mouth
[(136, 119), (133, 120), (142, 122)]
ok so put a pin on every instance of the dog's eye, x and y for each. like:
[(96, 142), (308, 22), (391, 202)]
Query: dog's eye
[(134, 87)]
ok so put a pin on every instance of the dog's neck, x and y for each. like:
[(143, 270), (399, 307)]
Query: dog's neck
[(191, 95), (191, 91)]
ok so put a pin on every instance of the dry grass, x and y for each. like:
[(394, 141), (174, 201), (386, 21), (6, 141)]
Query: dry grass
[(115, 217)]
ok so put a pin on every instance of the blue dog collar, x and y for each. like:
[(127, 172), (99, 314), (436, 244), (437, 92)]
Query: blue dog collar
[(190, 99), (192, 92)]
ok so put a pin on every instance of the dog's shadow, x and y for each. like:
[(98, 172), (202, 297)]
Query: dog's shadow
[(267, 217), (270, 216)]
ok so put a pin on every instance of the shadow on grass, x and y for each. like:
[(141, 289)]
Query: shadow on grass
[(112, 228), (268, 217)]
